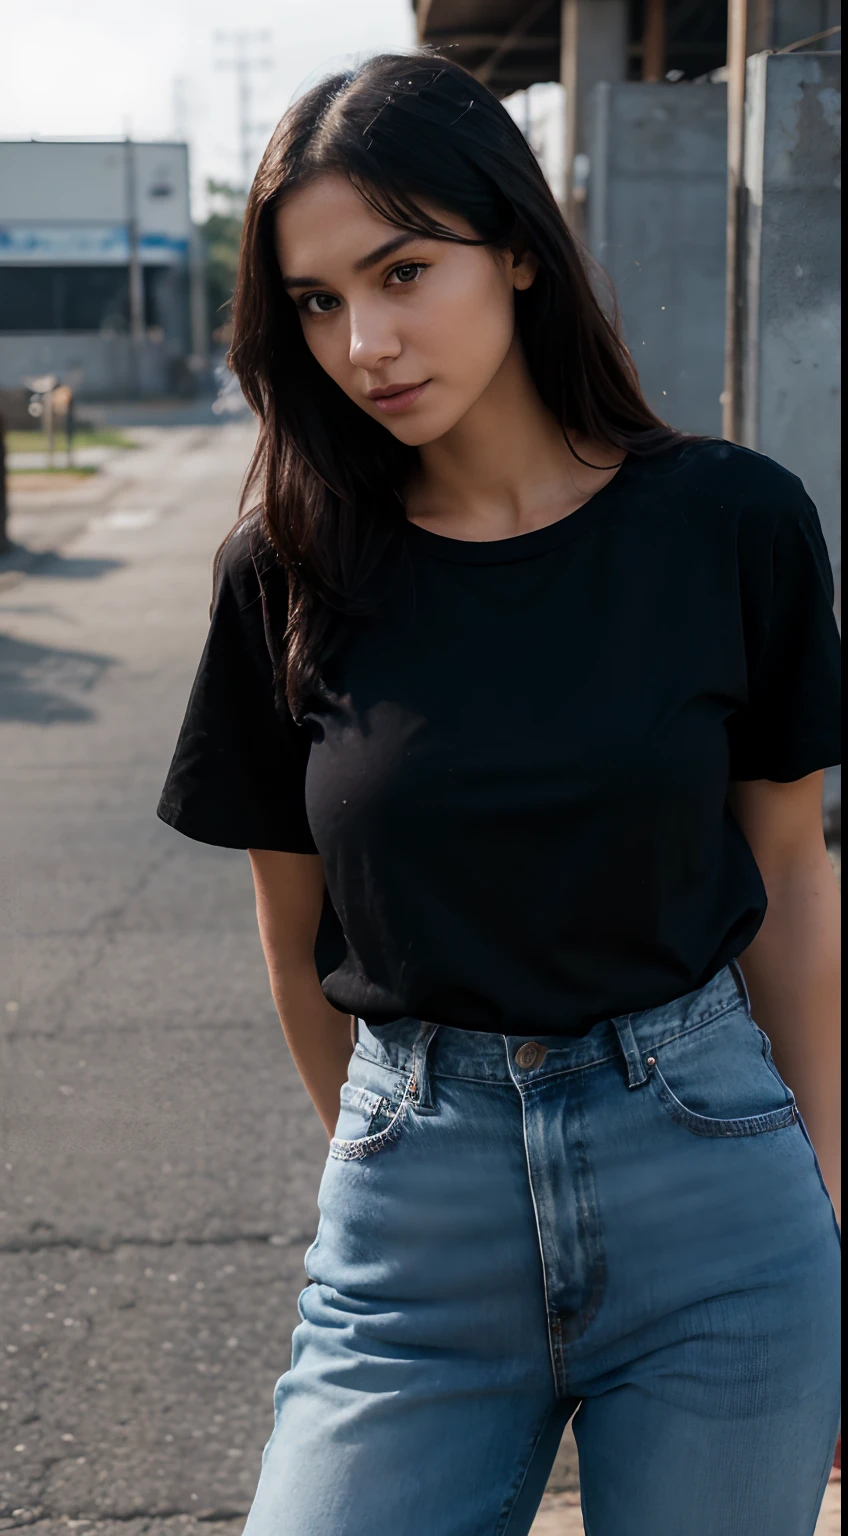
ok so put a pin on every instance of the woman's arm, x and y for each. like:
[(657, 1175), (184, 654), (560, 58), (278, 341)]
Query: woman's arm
[(289, 897), (792, 968)]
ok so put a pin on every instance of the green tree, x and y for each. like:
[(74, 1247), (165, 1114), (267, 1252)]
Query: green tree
[(222, 237)]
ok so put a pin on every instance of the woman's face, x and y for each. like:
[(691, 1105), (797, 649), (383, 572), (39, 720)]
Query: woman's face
[(381, 308)]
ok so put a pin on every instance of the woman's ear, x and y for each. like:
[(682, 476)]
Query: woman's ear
[(525, 265)]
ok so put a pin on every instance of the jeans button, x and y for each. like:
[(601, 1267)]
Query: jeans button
[(527, 1055)]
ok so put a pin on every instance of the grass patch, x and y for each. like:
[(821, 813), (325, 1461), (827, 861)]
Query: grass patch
[(76, 472), (86, 437)]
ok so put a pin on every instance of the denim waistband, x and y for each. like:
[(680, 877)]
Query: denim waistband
[(407, 1044)]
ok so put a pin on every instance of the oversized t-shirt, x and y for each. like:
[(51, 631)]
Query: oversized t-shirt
[(517, 777)]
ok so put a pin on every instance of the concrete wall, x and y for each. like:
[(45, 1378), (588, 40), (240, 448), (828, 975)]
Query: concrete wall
[(791, 393), (657, 210), (109, 367)]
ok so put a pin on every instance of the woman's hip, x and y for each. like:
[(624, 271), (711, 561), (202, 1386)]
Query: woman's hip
[(655, 1162)]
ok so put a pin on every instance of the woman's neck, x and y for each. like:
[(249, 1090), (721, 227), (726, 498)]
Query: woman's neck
[(505, 468)]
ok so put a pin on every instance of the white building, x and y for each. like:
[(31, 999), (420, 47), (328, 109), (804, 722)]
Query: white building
[(98, 276), (539, 112)]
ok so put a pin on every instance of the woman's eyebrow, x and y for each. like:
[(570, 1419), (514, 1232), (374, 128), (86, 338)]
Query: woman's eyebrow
[(371, 260), (404, 238)]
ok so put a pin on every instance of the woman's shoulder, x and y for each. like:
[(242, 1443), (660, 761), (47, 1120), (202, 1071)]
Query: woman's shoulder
[(724, 477), (247, 563), (754, 510)]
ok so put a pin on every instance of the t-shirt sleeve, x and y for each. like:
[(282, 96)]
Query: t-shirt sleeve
[(237, 774), (790, 725)]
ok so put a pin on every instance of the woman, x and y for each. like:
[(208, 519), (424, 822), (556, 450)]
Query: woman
[(520, 702)]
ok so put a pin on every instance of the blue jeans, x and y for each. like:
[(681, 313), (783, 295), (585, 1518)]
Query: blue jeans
[(630, 1228)]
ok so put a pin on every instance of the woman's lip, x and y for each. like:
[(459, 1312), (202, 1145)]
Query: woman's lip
[(401, 401)]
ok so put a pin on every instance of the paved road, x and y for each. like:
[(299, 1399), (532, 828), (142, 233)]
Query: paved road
[(161, 1157)]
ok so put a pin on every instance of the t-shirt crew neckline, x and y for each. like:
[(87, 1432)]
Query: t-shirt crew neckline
[(525, 546)]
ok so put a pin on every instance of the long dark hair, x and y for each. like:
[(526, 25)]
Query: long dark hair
[(402, 128)]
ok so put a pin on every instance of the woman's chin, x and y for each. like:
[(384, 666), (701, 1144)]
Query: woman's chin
[(418, 430)]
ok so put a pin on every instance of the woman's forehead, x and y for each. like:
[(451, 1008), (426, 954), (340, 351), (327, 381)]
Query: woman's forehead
[(328, 218), (321, 202)]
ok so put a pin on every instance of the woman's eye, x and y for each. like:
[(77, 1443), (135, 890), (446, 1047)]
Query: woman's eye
[(326, 303), (408, 272), (319, 299)]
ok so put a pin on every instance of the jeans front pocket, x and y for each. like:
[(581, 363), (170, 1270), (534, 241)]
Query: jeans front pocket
[(719, 1079), (368, 1119)]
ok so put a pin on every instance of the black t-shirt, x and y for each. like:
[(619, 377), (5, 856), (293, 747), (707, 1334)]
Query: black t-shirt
[(517, 781)]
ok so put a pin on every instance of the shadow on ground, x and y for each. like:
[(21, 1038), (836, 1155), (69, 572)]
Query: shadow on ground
[(42, 684), (51, 563)]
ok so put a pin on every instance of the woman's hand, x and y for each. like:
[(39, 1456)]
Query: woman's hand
[(289, 898)]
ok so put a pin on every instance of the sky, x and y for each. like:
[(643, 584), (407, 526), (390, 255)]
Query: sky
[(108, 67)]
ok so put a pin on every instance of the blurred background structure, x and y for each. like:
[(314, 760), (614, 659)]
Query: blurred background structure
[(101, 276)]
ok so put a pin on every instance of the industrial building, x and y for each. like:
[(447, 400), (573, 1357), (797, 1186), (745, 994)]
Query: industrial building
[(100, 275)]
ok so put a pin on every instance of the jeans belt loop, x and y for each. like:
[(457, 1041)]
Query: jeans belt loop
[(420, 1094), (741, 984), (636, 1073)]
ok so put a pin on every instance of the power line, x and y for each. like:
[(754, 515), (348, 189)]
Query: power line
[(245, 63)]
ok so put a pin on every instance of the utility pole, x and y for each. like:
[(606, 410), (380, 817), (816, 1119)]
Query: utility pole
[(136, 276), (749, 26), (654, 36), (198, 323), (737, 53), (245, 65), (135, 273)]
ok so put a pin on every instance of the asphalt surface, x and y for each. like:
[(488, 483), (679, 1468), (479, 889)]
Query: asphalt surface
[(160, 1159)]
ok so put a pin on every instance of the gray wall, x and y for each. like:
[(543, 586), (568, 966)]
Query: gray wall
[(657, 214), (107, 364), (791, 392)]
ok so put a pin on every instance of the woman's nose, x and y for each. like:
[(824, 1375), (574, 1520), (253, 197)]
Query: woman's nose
[(371, 340)]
